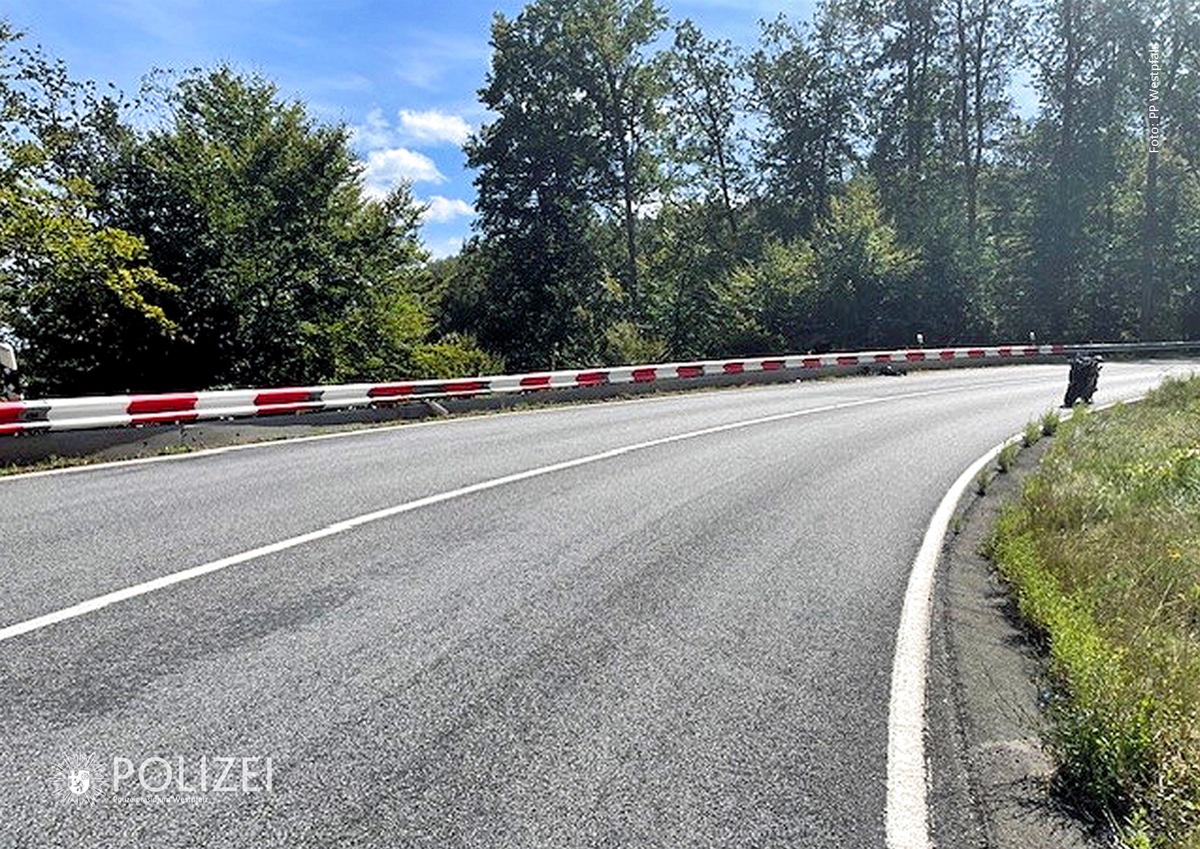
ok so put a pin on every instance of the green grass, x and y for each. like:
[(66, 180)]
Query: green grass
[(1103, 553), (1050, 422), (1007, 457), (1033, 432)]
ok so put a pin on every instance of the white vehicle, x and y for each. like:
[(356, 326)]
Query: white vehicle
[(8, 373)]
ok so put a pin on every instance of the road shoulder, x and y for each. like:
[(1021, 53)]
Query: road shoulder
[(989, 774)]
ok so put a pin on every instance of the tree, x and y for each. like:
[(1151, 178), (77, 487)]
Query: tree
[(1087, 75), (540, 171), (256, 212), (850, 285), (899, 54), (1170, 65), (985, 34), (79, 296), (805, 102), (606, 40), (705, 100)]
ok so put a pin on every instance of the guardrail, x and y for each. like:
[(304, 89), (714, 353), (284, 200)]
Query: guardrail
[(59, 414)]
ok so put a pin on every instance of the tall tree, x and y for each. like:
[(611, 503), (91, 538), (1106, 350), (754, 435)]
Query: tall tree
[(905, 76), (804, 98), (1170, 71), (1088, 79), (985, 34), (574, 147), (706, 101), (539, 175), (607, 40)]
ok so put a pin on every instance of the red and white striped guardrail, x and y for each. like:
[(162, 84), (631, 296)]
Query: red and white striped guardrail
[(55, 414)]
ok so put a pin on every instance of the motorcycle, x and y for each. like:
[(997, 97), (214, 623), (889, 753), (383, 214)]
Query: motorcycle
[(1081, 384)]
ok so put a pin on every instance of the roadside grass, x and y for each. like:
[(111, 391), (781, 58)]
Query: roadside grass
[(1007, 458), (1033, 433), (1050, 422), (1103, 553)]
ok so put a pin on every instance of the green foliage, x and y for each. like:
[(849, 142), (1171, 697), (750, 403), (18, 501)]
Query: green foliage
[(256, 210), (625, 344), (802, 93), (80, 296), (704, 147), (1032, 434), (453, 355), (1050, 421), (280, 270), (1007, 458), (1102, 551), (844, 287), (570, 150)]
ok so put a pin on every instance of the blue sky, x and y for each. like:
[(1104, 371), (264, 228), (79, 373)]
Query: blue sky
[(403, 73)]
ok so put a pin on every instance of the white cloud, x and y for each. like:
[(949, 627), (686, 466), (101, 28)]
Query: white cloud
[(387, 169), (376, 133), (442, 248), (434, 127), (431, 127), (443, 209)]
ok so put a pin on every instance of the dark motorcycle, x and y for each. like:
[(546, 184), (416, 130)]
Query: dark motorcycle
[(1081, 384)]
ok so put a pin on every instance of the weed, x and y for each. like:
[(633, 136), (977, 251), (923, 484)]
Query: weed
[(1050, 422), (1033, 432), (1103, 552), (1007, 458)]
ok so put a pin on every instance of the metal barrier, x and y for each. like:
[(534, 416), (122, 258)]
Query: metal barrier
[(59, 414)]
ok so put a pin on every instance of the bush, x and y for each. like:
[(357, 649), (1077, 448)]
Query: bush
[(453, 356), (625, 344)]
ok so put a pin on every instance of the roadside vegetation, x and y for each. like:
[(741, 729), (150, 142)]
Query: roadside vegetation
[(1103, 553)]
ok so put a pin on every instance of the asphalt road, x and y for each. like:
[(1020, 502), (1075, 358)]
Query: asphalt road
[(685, 644)]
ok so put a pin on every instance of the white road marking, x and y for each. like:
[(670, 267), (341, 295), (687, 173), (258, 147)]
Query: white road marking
[(907, 810)]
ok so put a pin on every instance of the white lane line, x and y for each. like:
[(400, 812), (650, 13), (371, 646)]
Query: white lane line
[(93, 604), (907, 807)]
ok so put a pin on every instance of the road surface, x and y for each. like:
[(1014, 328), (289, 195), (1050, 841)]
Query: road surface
[(665, 622)]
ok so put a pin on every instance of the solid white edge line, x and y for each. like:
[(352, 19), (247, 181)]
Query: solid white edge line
[(164, 581), (907, 807)]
